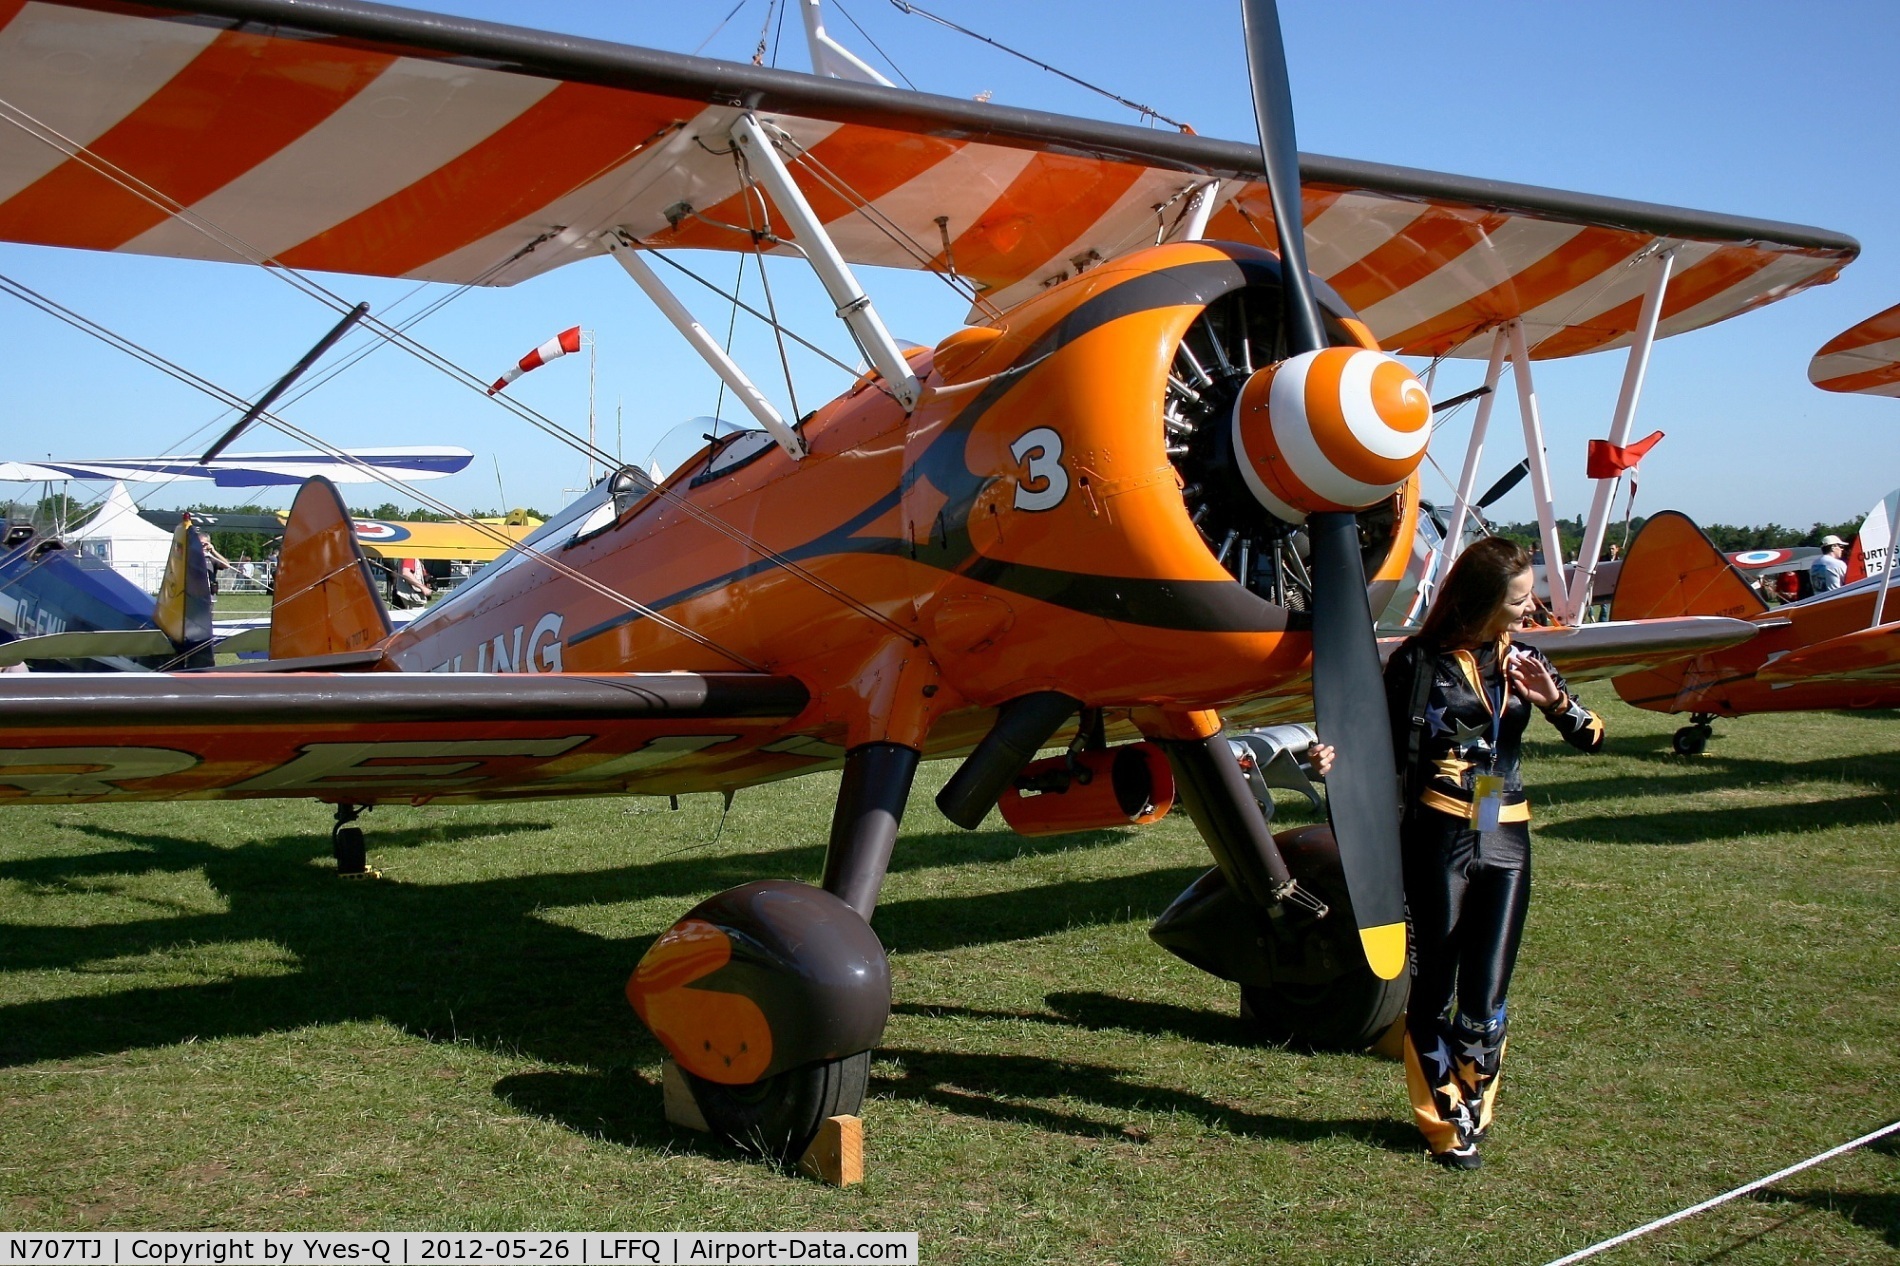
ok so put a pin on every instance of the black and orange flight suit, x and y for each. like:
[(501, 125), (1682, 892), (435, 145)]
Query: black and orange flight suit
[(1466, 890)]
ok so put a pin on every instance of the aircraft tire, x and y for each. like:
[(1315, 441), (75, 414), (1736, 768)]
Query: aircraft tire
[(1691, 740), (780, 1116), (1349, 1014), (352, 854)]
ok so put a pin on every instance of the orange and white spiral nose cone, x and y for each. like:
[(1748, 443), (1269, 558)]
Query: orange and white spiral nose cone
[(1335, 429)]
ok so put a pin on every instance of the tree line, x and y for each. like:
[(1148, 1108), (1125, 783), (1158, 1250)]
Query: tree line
[(62, 511), (1727, 537)]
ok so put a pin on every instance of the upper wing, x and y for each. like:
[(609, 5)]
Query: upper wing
[(370, 737), (1864, 360), (345, 136)]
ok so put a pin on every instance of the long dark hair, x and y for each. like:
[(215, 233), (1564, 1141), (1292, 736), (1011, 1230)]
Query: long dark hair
[(1473, 592)]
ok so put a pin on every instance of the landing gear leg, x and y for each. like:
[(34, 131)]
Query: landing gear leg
[(346, 842), (871, 800), (1693, 738), (1211, 785), (1274, 917)]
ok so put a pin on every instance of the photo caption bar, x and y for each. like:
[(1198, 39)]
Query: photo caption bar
[(364, 1248)]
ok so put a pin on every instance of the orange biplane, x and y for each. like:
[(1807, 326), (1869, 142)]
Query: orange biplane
[(1839, 648), (1154, 489)]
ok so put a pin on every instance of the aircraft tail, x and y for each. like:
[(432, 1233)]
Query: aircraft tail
[(1673, 569), (327, 598), (182, 607), (1871, 550)]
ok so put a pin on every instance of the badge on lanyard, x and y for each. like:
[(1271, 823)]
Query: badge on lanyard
[(1487, 800)]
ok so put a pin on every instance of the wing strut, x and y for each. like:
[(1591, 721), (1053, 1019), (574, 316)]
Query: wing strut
[(1634, 371), (854, 306), (708, 348)]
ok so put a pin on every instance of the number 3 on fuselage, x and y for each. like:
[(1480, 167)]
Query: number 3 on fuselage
[(1048, 482)]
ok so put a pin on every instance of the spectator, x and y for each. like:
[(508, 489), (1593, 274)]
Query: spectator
[(1830, 569)]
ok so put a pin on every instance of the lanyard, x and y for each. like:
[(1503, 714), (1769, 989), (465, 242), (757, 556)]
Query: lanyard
[(1497, 706)]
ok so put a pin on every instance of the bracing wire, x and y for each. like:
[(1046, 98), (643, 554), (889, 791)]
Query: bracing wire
[(1146, 112), (218, 393), (752, 191), (748, 309), (922, 255), (874, 44), (139, 188), (730, 14)]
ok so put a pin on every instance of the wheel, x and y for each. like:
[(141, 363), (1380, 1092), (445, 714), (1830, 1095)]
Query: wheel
[(352, 855), (1691, 740), (780, 1116), (1347, 1014)]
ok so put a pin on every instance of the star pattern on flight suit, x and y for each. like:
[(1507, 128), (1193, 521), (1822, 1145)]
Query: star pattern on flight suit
[(1452, 769), (1473, 740)]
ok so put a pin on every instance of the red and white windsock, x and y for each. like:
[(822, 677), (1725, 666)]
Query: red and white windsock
[(555, 348)]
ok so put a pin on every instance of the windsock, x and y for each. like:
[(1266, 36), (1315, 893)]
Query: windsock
[(1607, 460), (560, 345)]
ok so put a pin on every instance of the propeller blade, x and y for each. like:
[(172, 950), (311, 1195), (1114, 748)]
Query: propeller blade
[(1348, 685), (1349, 700), (1280, 153), (1512, 477)]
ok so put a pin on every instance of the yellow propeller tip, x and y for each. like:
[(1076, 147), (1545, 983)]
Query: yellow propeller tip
[(1385, 949)]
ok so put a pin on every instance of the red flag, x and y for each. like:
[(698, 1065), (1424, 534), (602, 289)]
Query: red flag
[(1608, 460)]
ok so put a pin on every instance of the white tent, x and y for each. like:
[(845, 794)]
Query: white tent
[(128, 544)]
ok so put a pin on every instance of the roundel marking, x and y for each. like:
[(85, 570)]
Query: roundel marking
[(1760, 557), (376, 531)]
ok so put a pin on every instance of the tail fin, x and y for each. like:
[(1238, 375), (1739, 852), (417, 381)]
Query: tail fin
[(182, 607), (327, 599), (1673, 569), (1870, 552)]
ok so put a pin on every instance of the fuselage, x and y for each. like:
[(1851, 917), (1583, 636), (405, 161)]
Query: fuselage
[(1026, 528), (1730, 682)]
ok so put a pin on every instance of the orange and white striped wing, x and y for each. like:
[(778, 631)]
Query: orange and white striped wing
[(370, 140), (1864, 360)]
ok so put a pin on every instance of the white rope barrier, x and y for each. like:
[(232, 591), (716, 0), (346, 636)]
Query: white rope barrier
[(1726, 1196)]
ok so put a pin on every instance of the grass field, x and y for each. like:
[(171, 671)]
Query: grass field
[(200, 1027)]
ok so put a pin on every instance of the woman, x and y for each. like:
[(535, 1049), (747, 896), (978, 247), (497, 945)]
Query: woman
[(1460, 695)]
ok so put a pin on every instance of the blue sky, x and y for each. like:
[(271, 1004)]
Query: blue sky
[(1751, 109)]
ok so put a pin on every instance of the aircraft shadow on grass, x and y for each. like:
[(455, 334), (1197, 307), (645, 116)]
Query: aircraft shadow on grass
[(1671, 824), (997, 1087), (1101, 1012), (473, 961), (1873, 1211)]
